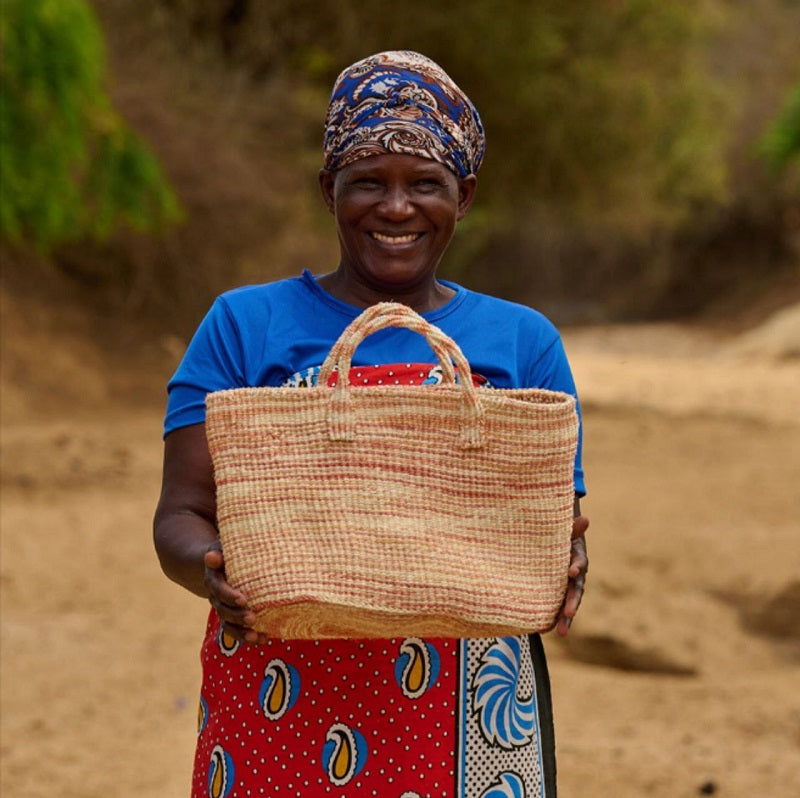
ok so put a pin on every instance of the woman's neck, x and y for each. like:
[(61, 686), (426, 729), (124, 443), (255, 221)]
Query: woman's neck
[(423, 299)]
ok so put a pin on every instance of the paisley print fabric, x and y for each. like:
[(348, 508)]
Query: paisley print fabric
[(402, 102), (397, 718)]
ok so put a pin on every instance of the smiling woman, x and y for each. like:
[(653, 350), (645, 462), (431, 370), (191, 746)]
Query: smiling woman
[(389, 717), (395, 215)]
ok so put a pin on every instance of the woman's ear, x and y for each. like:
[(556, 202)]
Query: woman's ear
[(466, 194), (326, 180)]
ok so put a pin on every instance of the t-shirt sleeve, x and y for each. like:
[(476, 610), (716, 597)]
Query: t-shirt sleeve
[(213, 362), (552, 372)]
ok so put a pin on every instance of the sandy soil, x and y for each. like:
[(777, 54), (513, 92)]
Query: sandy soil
[(681, 676)]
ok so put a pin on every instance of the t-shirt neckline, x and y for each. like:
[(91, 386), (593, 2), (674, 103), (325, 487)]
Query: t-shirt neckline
[(352, 311)]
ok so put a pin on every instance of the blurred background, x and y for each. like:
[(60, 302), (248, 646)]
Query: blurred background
[(641, 187), (641, 162)]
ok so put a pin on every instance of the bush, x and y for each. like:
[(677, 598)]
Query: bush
[(69, 166)]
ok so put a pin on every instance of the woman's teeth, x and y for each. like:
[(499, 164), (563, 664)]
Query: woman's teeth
[(403, 239)]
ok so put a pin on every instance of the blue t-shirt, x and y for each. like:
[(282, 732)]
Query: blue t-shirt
[(280, 333)]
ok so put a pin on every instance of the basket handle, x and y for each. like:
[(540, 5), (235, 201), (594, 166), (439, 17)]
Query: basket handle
[(389, 314), (393, 314)]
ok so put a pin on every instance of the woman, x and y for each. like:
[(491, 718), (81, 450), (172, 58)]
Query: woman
[(363, 717)]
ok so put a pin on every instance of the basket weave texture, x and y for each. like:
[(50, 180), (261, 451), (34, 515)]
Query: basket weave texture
[(383, 511)]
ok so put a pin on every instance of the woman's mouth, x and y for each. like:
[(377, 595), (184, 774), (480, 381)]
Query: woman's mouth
[(396, 240)]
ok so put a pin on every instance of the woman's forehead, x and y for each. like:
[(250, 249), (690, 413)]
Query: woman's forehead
[(401, 164)]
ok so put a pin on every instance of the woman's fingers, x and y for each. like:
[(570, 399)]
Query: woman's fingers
[(230, 604), (580, 523), (216, 583), (578, 566), (243, 633), (579, 559)]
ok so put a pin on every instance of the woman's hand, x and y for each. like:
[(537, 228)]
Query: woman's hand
[(578, 566), (231, 605)]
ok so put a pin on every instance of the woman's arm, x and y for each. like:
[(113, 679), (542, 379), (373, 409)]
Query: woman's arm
[(185, 532)]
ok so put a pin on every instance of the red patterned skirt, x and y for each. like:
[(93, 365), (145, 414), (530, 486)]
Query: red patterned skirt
[(399, 718)]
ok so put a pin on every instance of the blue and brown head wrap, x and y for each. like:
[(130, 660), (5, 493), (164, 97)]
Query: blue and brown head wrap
[(402, 102)]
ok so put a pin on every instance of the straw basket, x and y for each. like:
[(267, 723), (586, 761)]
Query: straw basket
[(383, 511)]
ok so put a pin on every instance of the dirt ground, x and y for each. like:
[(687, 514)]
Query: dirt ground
[(681, 676)]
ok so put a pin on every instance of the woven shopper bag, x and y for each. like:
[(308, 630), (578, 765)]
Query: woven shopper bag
[(385, 511)]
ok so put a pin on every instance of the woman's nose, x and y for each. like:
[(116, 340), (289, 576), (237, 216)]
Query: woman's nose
[(396, 203)]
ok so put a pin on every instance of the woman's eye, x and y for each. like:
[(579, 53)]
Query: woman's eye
[(427, 185)]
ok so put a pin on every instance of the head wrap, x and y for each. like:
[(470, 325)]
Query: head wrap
[(402, 102)]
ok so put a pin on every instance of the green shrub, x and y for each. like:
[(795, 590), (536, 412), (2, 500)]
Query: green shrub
[(70, 167), (780, 144)]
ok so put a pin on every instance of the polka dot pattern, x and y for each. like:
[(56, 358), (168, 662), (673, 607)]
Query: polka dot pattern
[(352, 718), (349, 730), (486, 756), (392, 374)]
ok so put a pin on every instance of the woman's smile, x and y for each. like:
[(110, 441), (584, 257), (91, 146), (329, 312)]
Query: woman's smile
[(396, 239)]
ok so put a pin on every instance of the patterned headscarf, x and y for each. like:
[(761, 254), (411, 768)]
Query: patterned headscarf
[(402, 102)]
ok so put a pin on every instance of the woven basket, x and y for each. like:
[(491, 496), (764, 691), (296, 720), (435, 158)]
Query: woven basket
[(383, 511)]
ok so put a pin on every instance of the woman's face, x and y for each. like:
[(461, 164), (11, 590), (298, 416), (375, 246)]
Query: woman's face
[(395, 215)]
